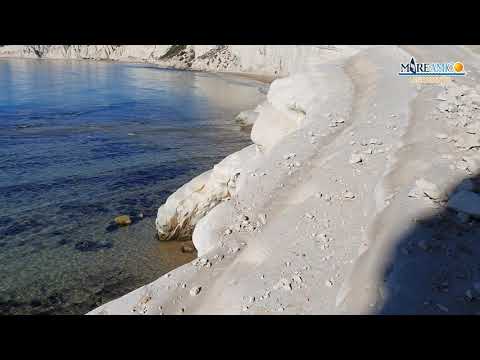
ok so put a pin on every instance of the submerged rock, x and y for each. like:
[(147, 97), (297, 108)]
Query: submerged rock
[(247, 118), (88, 245), (188, 248), (123, 220)]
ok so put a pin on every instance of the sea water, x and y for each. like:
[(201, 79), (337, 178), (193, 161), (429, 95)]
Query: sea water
[(82, 142)]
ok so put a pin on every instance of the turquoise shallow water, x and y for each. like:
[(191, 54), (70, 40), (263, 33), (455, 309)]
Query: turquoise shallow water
[(82, 142)]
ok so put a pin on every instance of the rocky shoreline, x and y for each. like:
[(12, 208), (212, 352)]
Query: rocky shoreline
[(331, 211), (358, 195)]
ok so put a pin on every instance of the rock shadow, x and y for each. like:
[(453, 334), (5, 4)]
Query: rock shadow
[(435, 266)]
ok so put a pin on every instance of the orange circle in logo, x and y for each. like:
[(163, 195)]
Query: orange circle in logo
[(458, 66)]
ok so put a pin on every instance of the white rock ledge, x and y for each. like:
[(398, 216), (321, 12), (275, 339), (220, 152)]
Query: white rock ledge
[(289, 225)]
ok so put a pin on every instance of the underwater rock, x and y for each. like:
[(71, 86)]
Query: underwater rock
[(123, 220)]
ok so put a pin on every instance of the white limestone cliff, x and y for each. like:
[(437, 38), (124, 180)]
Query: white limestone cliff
[(284, 112), (358, 196), (308, 230), (273, 60), (149, 53)]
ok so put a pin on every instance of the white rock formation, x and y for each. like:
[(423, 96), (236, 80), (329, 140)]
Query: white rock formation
[(182, 210), (366, 246), (247, 117), (149, 53), (272, 60)]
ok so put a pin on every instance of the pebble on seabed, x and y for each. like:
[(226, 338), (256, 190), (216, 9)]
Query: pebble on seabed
[(188, 249), (123, 220)]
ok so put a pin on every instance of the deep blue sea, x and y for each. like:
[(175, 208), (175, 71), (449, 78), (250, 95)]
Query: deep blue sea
[(83, 142)]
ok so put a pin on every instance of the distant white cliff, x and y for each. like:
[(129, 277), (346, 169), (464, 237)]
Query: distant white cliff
[(272, 60)]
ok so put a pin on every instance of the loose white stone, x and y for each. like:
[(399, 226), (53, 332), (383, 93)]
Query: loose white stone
[(263, 218), (355, 158), (473, 128), (467, 141), (426, 188), (297, 279), (195, 290), (441, 136), (348, 195), (329, 283), (289, 156), (284, 284)]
